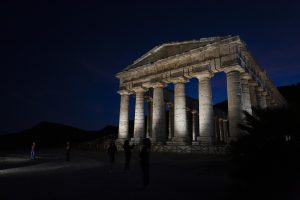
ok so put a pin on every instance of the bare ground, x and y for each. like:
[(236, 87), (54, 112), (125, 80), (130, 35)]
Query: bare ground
[(86, 176)]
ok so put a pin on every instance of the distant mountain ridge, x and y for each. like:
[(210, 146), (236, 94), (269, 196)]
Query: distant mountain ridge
[(291, 93), (49, 134)]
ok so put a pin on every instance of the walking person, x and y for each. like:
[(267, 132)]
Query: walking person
[(68, 151), (111, 151), (144, 161), (127, 150), (33, 151)]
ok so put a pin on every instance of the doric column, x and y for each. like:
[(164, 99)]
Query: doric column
[(246, 101), (189, 115), (149, 119), (139, 116), (261, 100), (171, 121), (194, 129), (252, 91), (269, 101), (264, 100), (225, 130), (206, 123), (158, 115), (124, 116), (221, 130), (273, 104), (217, 130), (234, 102), (180, 116)]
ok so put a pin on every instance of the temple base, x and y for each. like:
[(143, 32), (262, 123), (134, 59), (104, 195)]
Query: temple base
[(136, 140), (120, 141), (157, 141), (206, 140)]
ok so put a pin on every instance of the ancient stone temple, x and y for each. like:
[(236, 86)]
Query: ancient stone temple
[(179, 123)]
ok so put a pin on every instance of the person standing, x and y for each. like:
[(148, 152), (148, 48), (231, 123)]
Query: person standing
[(33, 151), (111, 151), (144, 161), (127, 150), (68, 151)]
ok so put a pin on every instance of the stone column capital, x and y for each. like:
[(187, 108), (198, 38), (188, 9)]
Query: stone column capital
[(139, 89), (124, 92), (194, 112), (180, 79), (260, 89), (234, 68), (269, 97), (245, 76), (146, 85), (158, 85), (205, 74), (252, 82)]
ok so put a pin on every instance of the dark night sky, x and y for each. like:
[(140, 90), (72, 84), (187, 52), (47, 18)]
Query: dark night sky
[(59, 59)]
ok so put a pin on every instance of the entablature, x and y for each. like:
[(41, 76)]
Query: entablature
[(214, 57)]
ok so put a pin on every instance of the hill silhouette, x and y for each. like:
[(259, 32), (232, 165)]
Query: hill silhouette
[(291, 93), (51, 135)]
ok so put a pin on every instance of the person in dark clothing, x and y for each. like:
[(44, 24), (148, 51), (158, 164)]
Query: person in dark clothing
[(68, 150), (33, 151), (127, 150), (111, 151), (144, 160)]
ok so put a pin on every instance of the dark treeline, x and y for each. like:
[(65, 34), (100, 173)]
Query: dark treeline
[(266, 157), (291, 93)]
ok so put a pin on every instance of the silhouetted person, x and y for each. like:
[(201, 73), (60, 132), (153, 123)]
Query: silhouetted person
[(127, 150), (111, 151), (68, 151), (144, 160), (33, 151)]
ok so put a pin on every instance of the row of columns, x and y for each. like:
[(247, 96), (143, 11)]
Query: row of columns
[(242, 94)]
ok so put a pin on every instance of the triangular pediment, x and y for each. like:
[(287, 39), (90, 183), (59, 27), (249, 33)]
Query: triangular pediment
[(171, 49)]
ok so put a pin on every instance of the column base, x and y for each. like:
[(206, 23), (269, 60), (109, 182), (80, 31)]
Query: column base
[(205, 140), (157, 141), (232, 139), (179, 141), (121, 141), (136, 140)]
